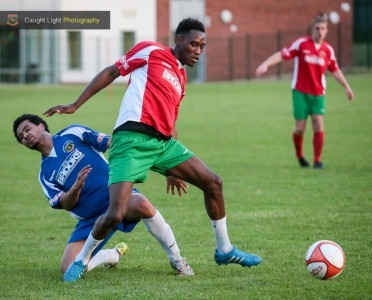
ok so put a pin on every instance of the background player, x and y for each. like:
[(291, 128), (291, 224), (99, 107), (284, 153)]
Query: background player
[(313, 55), (74, 176)]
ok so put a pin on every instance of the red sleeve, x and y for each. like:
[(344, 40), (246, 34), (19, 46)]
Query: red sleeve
[(332, 64), (134, 59), (293, 49), (288, 53)]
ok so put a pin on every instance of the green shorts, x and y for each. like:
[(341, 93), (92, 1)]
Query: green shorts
[(306, 104), (133, 154)]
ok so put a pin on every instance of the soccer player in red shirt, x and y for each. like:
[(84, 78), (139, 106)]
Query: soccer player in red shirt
[(144, 138), (312, 56)]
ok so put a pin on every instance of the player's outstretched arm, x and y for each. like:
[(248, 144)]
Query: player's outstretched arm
[(272, 60), (100, 81), (339, 76)]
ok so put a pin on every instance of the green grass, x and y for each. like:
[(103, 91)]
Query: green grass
[(274, 208)]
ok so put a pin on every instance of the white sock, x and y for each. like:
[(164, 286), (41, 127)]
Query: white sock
[(223, 244), (88, 248), (164, 235), (107, 256)]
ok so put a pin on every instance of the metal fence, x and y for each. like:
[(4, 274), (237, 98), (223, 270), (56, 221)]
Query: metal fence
[(43, 58), (237, 57)]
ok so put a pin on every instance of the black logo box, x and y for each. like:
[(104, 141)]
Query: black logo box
[(76, 20)]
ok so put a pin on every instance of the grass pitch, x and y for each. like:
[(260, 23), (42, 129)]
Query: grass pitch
[(274, 208)]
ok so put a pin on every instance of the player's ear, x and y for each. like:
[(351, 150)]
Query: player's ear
[(178, 40), (41, 126)]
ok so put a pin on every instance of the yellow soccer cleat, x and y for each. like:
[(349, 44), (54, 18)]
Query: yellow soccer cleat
[(121, 248)]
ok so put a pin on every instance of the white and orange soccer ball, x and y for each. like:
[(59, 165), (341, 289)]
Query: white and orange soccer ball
[(325, 259)]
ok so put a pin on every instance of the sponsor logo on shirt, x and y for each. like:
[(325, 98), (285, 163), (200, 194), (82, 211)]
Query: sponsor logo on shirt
[(173, 80), (124, 62), (68, 147), (68, 165), (315, 60)]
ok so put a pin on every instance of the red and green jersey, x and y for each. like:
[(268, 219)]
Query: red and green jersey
[(310, 64), (156, 86)]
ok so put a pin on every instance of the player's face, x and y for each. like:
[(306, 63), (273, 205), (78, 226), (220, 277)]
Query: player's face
[(190, 46), (29, 134), (319, 32)]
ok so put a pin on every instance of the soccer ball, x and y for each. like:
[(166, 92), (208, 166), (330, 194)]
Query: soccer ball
[(325, 259)]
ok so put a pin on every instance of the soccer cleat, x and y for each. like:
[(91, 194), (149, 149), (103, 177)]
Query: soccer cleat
[(303, 162), (181, 267), (121, 248), (318, 165), (235, 256), (74, 271)]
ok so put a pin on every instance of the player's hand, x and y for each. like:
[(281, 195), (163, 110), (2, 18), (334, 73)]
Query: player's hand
[(81, 177), (349, 93), (180, 185), (71, 198), (261, 70), (60, 109)]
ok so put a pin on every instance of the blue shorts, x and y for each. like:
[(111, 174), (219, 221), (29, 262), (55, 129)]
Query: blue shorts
[(84, 227)]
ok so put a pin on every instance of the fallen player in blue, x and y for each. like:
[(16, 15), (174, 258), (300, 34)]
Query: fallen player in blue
[(74, 176)]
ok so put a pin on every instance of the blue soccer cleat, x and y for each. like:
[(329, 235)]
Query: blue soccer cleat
[(235, 256), (74, 271)]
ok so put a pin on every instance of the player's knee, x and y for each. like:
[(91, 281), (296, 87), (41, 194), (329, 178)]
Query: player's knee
[(112, 219), (145, 208), (215, 185), (299, 131)]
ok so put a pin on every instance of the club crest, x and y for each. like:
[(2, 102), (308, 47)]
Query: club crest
[(68, 147)]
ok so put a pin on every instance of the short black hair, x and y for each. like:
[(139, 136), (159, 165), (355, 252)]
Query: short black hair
[(35, 119), (186, 25)]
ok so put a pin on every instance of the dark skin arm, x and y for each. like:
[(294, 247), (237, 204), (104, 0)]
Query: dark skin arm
[(99, 82), (69, 200)]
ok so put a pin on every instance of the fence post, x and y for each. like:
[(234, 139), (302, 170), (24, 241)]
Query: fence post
[(231, 58), (368, 50), (339, 45), (279, 46), (248, 56)]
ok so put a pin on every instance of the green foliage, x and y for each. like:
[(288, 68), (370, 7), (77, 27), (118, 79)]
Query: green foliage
[(274, 208)]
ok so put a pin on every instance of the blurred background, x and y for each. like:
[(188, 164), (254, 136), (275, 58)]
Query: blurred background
[(241, 34)]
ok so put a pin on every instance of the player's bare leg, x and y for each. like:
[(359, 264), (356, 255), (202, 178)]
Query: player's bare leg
[(195, 172)]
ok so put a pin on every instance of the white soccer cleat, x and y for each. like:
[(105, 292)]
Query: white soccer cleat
[(121, 248), (181, 267)]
